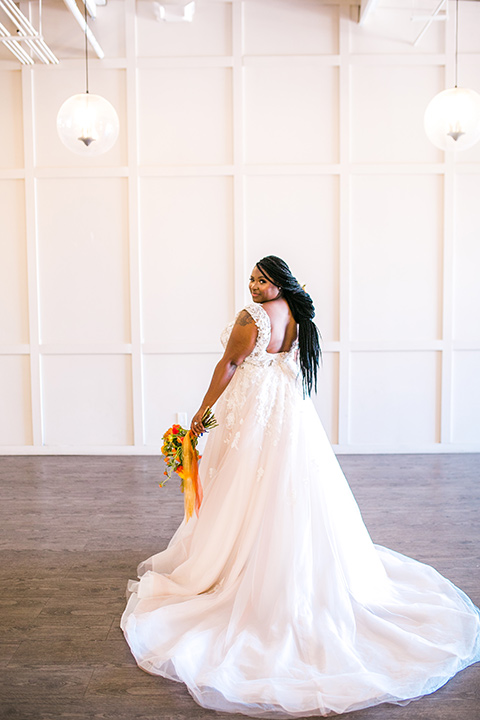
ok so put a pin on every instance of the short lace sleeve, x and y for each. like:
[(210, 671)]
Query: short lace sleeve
[(261, 320)]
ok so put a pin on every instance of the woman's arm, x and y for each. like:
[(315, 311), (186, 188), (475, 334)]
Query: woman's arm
[(240, 345)]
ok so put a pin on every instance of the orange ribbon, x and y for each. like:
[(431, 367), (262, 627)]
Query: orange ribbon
[(192, 487)]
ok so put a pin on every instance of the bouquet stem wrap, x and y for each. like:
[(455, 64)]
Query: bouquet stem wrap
[(192, 487)]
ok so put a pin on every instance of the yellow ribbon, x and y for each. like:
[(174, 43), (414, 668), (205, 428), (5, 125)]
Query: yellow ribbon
[(192, 488)]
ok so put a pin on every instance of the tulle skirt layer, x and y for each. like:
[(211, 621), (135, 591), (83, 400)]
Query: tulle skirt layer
[(275, 602)]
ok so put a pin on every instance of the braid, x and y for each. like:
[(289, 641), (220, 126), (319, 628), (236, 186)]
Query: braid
[(303, 311)]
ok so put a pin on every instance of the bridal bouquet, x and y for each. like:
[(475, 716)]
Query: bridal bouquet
[(181, 456)]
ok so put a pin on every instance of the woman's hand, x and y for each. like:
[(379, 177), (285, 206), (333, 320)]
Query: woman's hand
[(196, 426)]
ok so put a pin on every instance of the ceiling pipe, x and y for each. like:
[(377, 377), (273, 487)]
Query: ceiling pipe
[(72, 6), (14, 46), (433, 16), (91, 8), (26, 34), (366, 9)]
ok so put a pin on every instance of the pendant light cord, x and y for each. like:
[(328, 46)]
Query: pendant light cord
[(456, 43), (86, 48)]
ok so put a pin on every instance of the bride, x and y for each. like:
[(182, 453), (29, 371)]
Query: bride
[(274, 602)]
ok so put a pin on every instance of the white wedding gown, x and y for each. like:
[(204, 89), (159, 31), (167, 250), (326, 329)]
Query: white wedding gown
[(275, 602)]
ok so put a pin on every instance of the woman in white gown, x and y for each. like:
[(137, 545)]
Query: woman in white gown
[(274, 602)]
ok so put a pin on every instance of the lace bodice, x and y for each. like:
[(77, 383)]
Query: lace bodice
[(259, 354), (272, 379)]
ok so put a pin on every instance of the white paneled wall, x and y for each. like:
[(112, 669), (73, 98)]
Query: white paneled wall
[(11, 125), (185, 116), (87, 400), (13, 265), (388, 125), (262, 127), (394, 397), (396, 257), (187, 261), (83, 260), (286, 116), (466, 261), (15, 391)]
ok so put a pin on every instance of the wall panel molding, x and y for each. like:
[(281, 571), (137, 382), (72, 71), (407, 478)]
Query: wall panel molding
[(133, 226), (201, 143), (32, 257)]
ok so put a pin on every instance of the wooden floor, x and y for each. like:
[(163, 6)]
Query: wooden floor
[(73, 530)]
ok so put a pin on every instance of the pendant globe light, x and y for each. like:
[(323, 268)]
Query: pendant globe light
[(452, 118), (87, 124)]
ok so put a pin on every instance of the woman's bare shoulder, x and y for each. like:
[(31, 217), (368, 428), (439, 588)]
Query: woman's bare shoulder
[(244, 318), (277, 308)]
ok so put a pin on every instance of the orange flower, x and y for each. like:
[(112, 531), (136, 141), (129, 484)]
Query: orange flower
[(180, 456)]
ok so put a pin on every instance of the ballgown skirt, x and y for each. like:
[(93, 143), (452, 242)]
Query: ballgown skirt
[(274, 602)]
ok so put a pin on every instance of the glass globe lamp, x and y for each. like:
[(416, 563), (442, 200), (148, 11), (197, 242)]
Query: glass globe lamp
[(452, 119), (87, 124)]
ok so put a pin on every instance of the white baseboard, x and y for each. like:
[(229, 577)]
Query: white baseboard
[(435, 448)]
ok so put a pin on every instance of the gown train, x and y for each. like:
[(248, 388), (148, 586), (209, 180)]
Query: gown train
[(274, 602)]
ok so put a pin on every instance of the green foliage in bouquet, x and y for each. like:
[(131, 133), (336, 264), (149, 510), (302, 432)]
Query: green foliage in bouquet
[(172, 448)]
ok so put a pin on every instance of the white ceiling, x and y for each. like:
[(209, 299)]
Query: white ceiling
[(64, 36)]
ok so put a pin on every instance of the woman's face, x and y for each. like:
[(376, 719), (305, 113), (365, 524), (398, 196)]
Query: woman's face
[(261, 289)]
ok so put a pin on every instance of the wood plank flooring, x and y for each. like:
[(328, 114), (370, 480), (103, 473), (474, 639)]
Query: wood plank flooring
[(73, 530)]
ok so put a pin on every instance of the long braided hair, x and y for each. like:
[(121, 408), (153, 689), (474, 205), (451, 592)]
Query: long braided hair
[(277, 271)]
